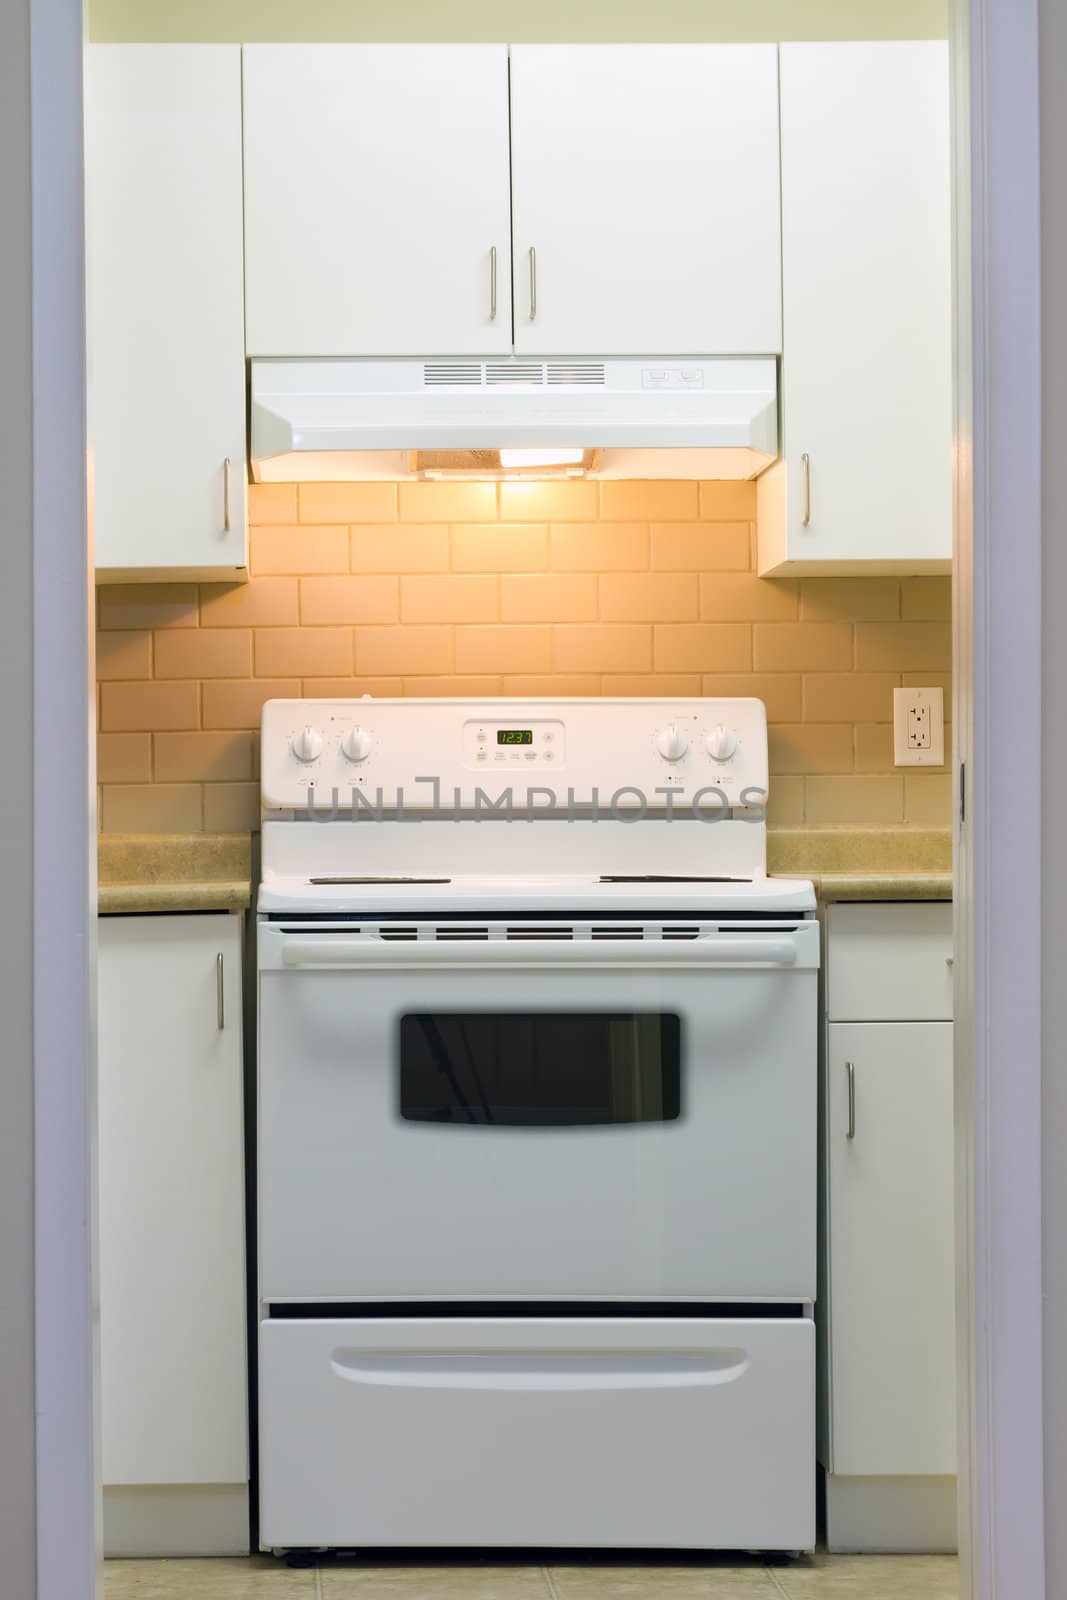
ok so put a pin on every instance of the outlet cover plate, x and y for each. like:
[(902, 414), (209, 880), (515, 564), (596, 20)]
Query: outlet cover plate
[(919, 727)]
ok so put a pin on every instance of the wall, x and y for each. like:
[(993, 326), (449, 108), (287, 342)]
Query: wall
[(548, 20), (520, 589)]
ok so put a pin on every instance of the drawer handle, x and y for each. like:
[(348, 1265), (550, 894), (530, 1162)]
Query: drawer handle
[(850, 1068), (492, 284), (805, 518), (220, 990), (524, 1370)]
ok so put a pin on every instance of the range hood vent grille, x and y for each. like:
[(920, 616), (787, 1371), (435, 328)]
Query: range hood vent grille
[(576, 372), (450, 372), (540, 374)]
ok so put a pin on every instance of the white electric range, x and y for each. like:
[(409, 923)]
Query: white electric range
[(537, 1130)]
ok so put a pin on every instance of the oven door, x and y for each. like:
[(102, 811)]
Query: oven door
[(505, 1117)]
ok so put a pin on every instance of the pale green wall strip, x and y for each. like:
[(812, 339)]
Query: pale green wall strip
[(546, 21)]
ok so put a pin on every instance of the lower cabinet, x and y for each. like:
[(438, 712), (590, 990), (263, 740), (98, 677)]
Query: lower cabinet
[(887, 1306), (173, 1343)]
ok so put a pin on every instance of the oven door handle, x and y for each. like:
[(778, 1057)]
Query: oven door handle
[(539, 954)]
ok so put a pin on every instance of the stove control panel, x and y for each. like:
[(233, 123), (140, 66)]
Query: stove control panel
[(645, 752)]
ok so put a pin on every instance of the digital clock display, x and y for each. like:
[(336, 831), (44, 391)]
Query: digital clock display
[(514, 736)]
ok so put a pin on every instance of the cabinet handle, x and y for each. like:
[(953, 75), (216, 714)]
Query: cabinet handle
[(220, 989), (226, 495), (492, 284), (533, 283), (850, 1068), (805, 516)]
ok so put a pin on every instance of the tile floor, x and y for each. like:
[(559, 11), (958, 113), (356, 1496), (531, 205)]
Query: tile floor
[(730, 1578)]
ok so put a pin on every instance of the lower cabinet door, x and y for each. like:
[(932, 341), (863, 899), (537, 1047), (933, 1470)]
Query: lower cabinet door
[(527, 1431), (172, 1262), (892, 1273)]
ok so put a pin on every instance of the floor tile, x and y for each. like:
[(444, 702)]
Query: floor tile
[(825, 1577), (697, 1578), (248, 1578), (408, 1580)]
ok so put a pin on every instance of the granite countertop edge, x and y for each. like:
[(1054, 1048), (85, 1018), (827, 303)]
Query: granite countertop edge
[(174, 872)]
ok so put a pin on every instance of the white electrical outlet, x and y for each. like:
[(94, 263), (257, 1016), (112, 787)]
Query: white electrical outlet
[(918, 727)]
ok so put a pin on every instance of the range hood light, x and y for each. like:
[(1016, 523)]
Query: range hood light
[(541, 458)]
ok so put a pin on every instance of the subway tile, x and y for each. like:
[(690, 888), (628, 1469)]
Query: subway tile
[(800, 747), (203, 653), (928, 799), (598, 547), (742, 597), (802, 646), (884, 646), (349, 599), (874, 746), (728, 500), (151, 808), (849, 599), (779, 691), (648, 500), (497, 649), (703, 646), (849, 696), (124, 757), (549, 502), (647, 597), (231, 807), (701, 547), (854, 798), (684, 685), (926, 599), (240, 705), (146, 605), (603, 647), (552, 685), (352, 688), (453, 686), (298, 547), (399, 547), (260, 603), (300, 652), (455, 597), (785, 800), (348, 502), (271, 502), (147, 707), (447, 502), (499, 547), (400, 651), (123, 654), (179, 757), (550, 597)]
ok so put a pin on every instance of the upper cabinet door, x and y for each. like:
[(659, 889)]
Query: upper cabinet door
[(867, 303), (377, 211), (165, 310), (646, 199)]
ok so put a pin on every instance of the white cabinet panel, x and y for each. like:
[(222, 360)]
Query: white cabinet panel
[(892, 1274), (866, 372), (166, 310), (646, 180), (172, 1275), (890, 962), (376, 189)]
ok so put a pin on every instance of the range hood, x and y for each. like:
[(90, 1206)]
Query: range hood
[(648, 417)]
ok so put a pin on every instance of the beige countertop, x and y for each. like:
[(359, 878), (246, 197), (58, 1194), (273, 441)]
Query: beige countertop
[(174, 872), (865, 863)]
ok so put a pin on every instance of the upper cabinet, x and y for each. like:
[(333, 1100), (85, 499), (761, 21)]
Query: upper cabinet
[(645, 194), (377, 204), (865, 479), (166, 310)]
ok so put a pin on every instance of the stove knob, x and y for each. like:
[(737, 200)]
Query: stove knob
[(356, 744), (721, 743), (307, 745), (671, 743)]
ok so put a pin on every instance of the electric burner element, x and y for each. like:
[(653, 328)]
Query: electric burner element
[(663, 877), (379, 880)]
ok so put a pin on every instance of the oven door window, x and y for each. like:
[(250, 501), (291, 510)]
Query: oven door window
[(540, 1069)]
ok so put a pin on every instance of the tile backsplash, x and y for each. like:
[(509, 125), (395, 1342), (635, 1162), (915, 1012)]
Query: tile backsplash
[(622, 588)]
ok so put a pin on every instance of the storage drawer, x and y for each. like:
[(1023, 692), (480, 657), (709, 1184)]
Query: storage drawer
[(890, 962), (538, 1431)]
